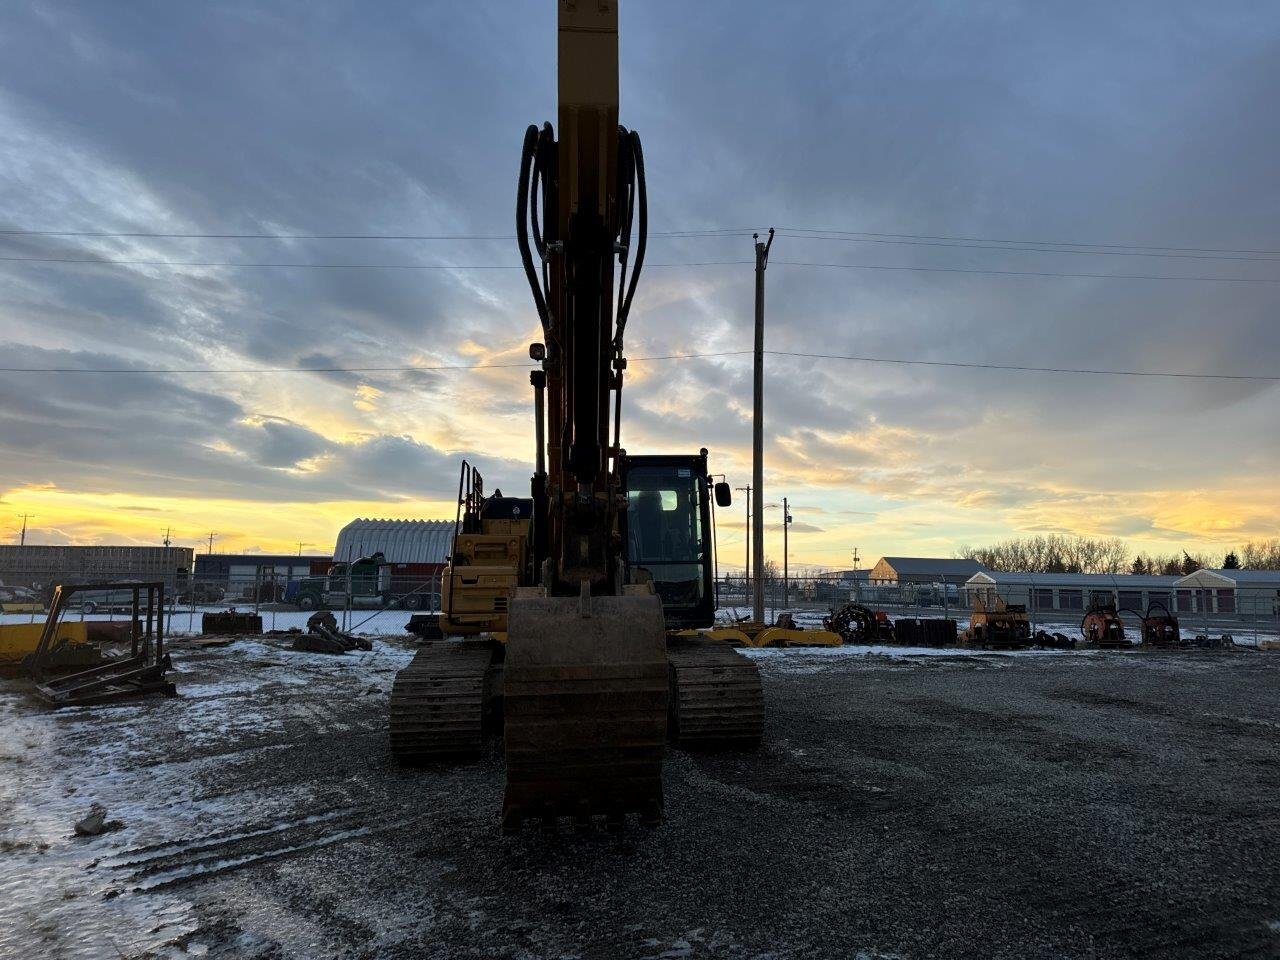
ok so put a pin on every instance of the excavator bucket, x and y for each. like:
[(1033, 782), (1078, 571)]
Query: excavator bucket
[(585, 691)]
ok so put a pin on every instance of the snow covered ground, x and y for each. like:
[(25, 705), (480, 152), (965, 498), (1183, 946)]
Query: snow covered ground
[(186, 622), (260, 814), (165, 770)]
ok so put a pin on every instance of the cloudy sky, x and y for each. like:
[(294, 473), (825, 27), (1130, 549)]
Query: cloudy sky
[(1119, 124)]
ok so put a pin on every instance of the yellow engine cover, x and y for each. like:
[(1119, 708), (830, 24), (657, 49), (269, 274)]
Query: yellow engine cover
[(475, 599)]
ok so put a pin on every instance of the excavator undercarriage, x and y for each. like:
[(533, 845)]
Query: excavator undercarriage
[(585, 724), (586, 691)]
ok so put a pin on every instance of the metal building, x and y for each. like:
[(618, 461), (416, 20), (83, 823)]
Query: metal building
[(239, 574), (896, 571), (399, 541)]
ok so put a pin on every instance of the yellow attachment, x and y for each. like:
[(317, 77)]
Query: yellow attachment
[(758, 635), (21, 606), (784, 637), (730, 635), (17, 640)]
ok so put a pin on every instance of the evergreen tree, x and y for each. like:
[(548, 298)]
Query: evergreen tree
[(1231, 561), (1189, 565)]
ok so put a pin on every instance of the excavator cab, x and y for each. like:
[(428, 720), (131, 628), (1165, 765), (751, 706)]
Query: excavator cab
[(667, 531)]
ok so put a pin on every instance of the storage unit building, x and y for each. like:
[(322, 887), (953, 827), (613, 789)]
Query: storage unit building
[(1246, 593), (1073, 593)]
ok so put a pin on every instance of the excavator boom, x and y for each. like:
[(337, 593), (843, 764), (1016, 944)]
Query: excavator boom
[(573, 584), (586, 678)]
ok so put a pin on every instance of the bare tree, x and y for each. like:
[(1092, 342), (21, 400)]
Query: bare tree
[(1261, 554), (1053, 553)]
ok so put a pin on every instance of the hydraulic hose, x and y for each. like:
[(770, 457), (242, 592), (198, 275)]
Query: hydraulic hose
[(527, 155), (642, 233)]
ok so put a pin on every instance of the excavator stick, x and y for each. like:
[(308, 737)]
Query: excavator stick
[(585, 702)]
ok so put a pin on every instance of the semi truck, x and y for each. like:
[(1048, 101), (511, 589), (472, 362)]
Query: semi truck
[(369, 583)]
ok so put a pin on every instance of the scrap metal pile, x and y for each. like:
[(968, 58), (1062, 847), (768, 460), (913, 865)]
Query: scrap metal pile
[(323, 636)]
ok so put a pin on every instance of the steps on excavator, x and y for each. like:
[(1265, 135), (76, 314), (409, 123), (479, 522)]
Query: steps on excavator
[(717, 700), (440, 700)]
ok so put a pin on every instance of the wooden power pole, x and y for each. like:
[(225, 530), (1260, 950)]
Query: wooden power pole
[(757, 439), (786, 526), (746, 570)]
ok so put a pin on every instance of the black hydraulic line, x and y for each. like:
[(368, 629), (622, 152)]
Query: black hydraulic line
[(543, 189), (626, 210), (522, 227), (626, 193), (642, 233)]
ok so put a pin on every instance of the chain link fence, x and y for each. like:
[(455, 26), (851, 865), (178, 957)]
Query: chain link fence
[(374, 599), (381, 601), (1246, 613)]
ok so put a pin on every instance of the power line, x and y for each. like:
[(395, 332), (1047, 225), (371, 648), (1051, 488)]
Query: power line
[(1027, 369), (151, 235), (402, 368), (93, 261), (1185, 375), (1027, 273), (1044, 243), (100, 261), (1002, 246), (816, 232)]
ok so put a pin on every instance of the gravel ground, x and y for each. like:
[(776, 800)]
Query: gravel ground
[(1080, 804)]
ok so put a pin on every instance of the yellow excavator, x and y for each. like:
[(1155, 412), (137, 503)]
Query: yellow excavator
[(572, 613)]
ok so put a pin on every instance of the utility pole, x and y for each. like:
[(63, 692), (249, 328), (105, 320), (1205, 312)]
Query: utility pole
[(211, 536), (757, 440), (857, 592), (167, 541), (22, 542), (786, 526), (746, 570)]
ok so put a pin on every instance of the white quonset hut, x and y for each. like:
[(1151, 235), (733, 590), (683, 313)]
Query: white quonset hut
[(1073, 592), (1248, 593), (399, 541)]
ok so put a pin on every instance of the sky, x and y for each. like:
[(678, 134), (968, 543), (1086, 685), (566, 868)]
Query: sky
[(1148, 124)]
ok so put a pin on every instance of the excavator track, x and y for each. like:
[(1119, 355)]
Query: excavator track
[(439, 702), (717, 700)]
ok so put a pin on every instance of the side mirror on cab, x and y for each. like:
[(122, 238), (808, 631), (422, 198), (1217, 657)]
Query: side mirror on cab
[(724, 496)]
